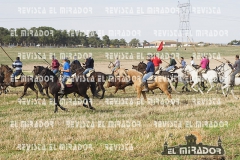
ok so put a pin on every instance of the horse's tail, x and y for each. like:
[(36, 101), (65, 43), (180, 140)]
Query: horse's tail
[(173, 88)]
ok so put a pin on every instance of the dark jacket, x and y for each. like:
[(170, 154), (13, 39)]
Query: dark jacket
[(90, 63), (150, 67)]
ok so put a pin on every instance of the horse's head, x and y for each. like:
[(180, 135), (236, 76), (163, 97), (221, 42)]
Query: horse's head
[(111, 65), (44, 72), (142, 67), (37, 70), (5, 69)]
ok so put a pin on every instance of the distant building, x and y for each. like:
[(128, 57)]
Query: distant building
[(166, 43)]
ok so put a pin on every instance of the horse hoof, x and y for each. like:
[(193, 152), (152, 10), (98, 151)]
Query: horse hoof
[(66, 110), (92, 108)]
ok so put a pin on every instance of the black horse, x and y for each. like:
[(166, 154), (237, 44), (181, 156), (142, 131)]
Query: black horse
[(98, 77), (36, 71), (78, 86)]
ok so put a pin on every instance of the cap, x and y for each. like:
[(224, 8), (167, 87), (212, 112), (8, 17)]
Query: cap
[(148, 58)]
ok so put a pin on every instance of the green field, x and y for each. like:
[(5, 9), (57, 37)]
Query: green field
[(104, 133)]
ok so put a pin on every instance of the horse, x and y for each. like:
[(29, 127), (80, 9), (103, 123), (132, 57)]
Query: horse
[(159, 82), (119, 71), (227, 69), (141, 67), (26, 81), (210, 76), (2, 88), (98, 77), (78, 86), (36, 71)]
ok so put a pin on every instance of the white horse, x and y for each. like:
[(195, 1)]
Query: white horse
[(211, 76), (227, 70), (181, 76)]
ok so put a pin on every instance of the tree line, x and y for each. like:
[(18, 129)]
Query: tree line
[(48, 36)]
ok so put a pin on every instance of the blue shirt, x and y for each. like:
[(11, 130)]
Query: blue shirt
[(66, 66), (17, 65), (150, 67), (183, 63)]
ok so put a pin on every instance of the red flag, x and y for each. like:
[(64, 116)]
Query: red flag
[(160, 46)]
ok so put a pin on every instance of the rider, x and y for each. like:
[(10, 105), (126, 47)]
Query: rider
[(55, 65), (192, 61), (76, 61), (156, 61), (183, 63), (203, 65), (237, 70), (18, 69), (89, 64), (116, 64), (172, 63), (66, 74), (149, 72)]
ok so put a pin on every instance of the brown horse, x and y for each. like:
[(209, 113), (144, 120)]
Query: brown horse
[(26, 81), (36, 71), (159, 82), (79, 87), (98, 77), (2, 88)]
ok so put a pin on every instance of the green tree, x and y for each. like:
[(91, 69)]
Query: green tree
[(134, 42), (106, 40)]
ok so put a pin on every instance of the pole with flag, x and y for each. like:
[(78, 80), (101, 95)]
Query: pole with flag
[(160, 47)]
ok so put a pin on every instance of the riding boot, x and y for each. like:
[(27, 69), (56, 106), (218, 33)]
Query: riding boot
[(145, 87), (61, 89)]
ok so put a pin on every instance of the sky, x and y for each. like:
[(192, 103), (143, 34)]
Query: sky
[(214, 21)]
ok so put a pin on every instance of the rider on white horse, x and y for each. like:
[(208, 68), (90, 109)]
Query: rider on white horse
[(237, 70)]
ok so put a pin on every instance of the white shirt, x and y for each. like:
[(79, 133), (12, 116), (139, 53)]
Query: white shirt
[(192, 62), (117, 63)]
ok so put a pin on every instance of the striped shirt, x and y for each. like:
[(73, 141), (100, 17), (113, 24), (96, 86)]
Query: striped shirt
[(17, 65)]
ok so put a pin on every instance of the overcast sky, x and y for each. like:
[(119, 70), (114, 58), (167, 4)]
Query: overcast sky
[(217, 20)]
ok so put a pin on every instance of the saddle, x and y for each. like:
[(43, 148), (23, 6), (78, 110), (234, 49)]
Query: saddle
[(69, 82), (151, 79), (18, 77), (90, 72), (172, 70)]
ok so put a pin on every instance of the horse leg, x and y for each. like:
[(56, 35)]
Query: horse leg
[(31, 85), (124, 90), (176, 84), (199, 88), (102, 88), (47, 92), (211, 86), (233, 93), (57, 103), (88, 100), (194, 85), (144, 95), (116, 89), (223, 87), (24, 91), (40, 88)]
